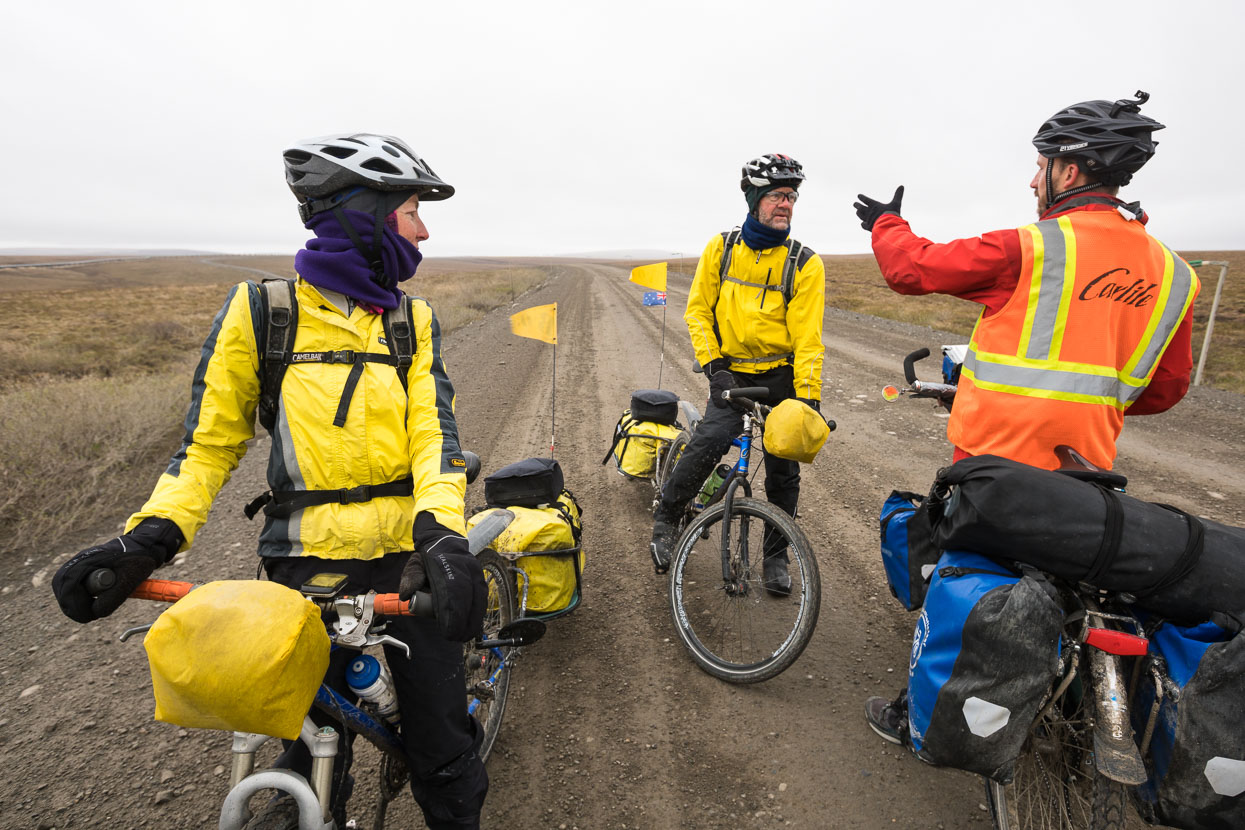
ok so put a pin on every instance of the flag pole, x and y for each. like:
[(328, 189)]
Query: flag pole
[(553, 436)]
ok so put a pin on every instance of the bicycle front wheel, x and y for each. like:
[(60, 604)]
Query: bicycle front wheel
[(1055, 785), (734, 628), (488, 670)]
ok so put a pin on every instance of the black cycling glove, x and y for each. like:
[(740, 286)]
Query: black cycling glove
[(442, 563), (720, 380), (131, 557), (870, 210)]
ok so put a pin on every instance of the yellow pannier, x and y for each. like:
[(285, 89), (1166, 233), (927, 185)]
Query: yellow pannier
[(638, 443), (795, 431), (243, 656), (545, 543)]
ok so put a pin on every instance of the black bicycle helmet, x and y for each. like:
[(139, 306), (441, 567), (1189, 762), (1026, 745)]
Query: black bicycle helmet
[(771, 170), (324, 172), (1112, 140)]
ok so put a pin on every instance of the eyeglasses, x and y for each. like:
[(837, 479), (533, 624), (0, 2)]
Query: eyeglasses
[(777, 196)]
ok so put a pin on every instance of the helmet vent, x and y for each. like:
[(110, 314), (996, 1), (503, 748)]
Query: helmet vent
[(340, 152), (390, 150), (380, 166)]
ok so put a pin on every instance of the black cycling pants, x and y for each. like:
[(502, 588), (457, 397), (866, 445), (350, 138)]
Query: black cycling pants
[(448, 779), (712, 439)]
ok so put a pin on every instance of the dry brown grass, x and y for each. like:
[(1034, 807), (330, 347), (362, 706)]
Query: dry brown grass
[(95, 372)]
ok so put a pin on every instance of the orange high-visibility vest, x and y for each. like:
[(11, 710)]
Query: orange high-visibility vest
[(1097, 303)]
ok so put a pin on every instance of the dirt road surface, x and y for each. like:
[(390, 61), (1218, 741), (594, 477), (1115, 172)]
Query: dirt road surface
[(610, 724)]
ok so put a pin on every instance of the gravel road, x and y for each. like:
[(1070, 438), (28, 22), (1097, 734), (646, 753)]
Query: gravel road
[(610, 724)]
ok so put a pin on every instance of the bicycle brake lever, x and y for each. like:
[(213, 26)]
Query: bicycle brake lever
[(386, 640), (352, 628)]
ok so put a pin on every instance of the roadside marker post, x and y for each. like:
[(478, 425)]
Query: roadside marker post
[(1214, 309)]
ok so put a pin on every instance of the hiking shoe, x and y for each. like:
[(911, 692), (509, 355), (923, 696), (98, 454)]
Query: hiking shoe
[(888, 719), (662, 545), (775, 577)]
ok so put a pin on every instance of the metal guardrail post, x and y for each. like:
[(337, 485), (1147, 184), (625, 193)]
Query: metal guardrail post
[(1214, 308)]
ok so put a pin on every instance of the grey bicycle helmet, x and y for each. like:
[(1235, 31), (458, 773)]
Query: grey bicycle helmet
[(324, 172), (771, 170), (1112, 140)]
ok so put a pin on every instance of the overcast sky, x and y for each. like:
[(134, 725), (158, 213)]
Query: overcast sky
[(579, 126)]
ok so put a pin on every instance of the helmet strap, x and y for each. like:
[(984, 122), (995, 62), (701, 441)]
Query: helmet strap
[(373, 255), (1052, 198)]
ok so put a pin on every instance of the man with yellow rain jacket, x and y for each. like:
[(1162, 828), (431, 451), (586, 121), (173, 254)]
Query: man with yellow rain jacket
[(755, 317), (365, 470)]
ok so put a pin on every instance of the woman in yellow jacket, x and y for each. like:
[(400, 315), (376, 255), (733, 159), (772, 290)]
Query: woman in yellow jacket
[(755, 317), (365, 470)]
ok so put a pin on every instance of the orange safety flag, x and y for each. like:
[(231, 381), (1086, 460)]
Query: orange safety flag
[(538, 322), (650, 276)]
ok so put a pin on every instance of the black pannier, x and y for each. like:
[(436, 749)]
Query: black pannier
[(527, 483), (656, 405), (1175, 564)]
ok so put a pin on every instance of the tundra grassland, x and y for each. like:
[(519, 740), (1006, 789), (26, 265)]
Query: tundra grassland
[(854, 283), (95, 370)]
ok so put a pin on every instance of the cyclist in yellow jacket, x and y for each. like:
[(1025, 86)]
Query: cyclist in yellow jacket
[(755, 317), (365, 470)]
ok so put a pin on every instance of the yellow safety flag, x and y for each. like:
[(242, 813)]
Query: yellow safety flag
[(650, 276), (538, 322)]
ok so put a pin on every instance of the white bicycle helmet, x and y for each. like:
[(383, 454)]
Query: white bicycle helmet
[(771, 170), (324, 172)]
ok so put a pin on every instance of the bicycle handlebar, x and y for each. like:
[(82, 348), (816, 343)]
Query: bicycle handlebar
[(744, 397), (909, 365), (169, 590)]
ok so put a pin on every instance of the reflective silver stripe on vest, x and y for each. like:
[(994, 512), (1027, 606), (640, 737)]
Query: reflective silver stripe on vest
[(1054, 266), (765, 359), (1170, 317), (1023, 378)]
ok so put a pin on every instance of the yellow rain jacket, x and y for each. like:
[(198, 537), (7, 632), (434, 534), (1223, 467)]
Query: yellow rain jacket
[(755, 327), (386, 435)]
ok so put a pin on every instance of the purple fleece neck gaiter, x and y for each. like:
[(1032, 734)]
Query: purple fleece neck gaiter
[(332, 261)]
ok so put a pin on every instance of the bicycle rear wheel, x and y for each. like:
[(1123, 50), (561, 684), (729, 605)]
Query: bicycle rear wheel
[(488, 670), (671, 457), (1055, 785), (739, 632)]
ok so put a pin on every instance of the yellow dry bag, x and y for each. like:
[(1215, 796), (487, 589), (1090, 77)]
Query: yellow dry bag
[(243, 656), (795, 431)]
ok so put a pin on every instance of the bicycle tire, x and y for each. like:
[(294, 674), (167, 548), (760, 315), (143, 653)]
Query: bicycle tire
[(1055, 785), (670, 458), (488, 672), (743, 636)]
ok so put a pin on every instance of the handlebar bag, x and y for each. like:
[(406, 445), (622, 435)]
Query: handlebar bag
[(545, 544), (527, 483), (908, 552), (239, 655), (656, 405), (985, 652), (637, 445), (795, 431), (1196, 760), (1177, 565)]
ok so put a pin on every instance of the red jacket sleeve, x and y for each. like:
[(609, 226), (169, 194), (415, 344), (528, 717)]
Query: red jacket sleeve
[(984, 269), (1171, 377)]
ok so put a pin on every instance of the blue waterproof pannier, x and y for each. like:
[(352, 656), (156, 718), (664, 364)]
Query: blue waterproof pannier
[(984, 654), (908, 553), (1197, 755)]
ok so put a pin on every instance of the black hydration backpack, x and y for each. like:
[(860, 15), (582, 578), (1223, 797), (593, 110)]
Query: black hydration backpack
[(276, 352), (797, 255)]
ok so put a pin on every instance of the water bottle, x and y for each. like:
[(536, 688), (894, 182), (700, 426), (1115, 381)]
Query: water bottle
[(367, 678), (712, 483)]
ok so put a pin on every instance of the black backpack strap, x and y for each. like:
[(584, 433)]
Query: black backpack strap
[(280, 504), (280, 323), (401, 336), (729, 239)]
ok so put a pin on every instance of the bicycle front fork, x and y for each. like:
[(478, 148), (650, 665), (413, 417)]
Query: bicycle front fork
[(244, 782)]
